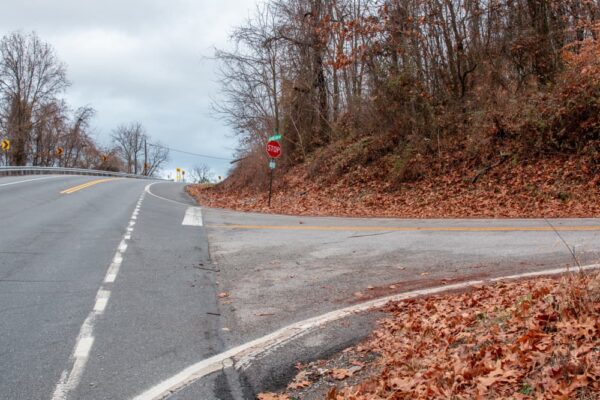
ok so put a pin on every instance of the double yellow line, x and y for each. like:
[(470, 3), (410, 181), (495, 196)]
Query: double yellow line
[(86, 185)]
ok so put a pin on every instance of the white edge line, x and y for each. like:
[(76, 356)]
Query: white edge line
[(30, 180), (162, 198), (245, 353)]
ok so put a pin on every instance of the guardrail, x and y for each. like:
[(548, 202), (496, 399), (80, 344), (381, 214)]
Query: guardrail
[(9, 171)]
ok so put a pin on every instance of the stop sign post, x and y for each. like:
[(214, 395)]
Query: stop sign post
[(274, 152)]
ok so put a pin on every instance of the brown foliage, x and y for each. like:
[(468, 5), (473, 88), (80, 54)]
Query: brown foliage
[(511, 340), (403, 87), (534, 339), (557, 186)]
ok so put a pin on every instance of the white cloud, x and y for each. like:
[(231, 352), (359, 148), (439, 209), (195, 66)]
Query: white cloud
[(141, 61)]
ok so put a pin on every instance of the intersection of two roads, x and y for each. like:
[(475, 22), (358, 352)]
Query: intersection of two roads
[(124, 288)]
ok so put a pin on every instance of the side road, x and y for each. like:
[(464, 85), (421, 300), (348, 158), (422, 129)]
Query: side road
[(278, 269), (282, 279)]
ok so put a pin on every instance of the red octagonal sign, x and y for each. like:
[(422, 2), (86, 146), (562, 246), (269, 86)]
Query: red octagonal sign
[(274, 149)]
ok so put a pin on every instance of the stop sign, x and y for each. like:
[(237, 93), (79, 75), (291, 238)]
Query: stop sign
[(274, 149)]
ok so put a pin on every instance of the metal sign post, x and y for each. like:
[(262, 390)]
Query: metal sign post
[(6, 147), (272, 165), (274, 152)]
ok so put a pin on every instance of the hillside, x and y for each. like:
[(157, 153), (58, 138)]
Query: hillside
[(407, 110), (543, 187)]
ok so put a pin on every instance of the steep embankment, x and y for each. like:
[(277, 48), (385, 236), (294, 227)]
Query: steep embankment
[(541, 187)]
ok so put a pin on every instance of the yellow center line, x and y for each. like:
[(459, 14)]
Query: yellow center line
[(411, 229), (86, 185)]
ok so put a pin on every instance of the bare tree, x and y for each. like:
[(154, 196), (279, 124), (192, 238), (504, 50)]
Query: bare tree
[(30, 77), (251, 79), (76, 140), (201, 174), (417, 71), (157, 155), (130, 141)]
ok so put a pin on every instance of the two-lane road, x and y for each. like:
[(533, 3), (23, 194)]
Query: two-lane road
[(107, 289), (69, 328)]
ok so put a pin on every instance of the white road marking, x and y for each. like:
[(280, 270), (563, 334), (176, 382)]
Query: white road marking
[(83, 347), (101, 301), (69, 379), (193, 217), (29, 180), (100, 305), (162, 198), (244, 354)]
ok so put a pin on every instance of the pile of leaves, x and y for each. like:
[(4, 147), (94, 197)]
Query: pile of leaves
[(520, 340), (544, 187)]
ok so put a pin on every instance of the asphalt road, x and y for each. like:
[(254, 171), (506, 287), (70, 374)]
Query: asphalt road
[(282, 269), (110, 288), (55, 251)]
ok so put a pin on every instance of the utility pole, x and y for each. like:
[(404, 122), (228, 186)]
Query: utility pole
[(145, 156)]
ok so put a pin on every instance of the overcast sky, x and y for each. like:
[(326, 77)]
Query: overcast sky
[(141, 60)]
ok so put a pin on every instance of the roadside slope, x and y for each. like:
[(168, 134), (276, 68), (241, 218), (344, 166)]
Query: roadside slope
[(552, 187)]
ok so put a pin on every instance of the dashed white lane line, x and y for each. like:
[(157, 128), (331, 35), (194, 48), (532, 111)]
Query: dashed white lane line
[(84, 345), (115, 266), (243, 355), (69, 379), (101, 301), (193, 217), (100, 305)]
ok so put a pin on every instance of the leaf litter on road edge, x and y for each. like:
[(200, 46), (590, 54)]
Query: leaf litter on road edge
[(536, 338)]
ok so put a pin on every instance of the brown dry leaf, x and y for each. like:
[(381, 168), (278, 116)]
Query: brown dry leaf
[(299, 385), (332, 394), (340, 374), (272, 396), (485, 343)]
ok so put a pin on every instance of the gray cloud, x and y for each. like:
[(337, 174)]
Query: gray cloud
[(141, 61)]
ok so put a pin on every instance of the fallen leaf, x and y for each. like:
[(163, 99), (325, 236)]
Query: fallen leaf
[(272, 396), (340, 374), (299, 385)]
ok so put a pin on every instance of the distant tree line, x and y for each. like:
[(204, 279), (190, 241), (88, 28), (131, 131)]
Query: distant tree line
[(421, 74), (45, 131)]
